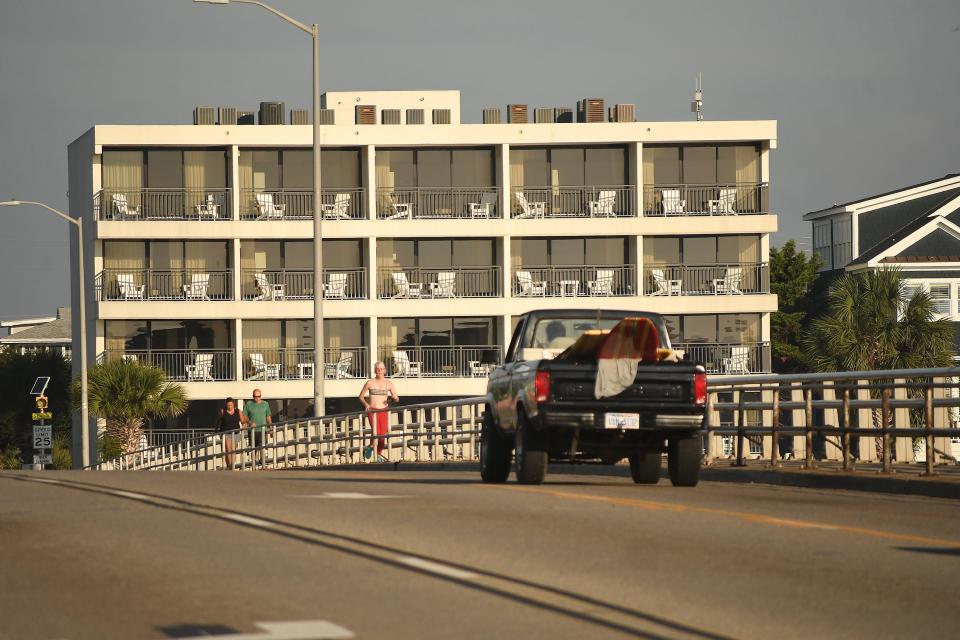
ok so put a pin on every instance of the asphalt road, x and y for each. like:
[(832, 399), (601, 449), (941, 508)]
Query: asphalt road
[(386, 554)]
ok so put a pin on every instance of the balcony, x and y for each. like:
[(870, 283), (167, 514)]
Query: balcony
[(297, 204), (442, 203), (467, 361), (446, 282), (183, 365), (164, 284), (706, 199), (729, 359), (297, 284), (707, 280), (572, 281), (298, 363), (574, 202), (162, 204)]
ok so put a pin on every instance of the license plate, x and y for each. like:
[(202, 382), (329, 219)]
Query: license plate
[(622, 421)]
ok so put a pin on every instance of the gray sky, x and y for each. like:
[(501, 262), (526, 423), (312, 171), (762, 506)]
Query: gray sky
[(865, 91)]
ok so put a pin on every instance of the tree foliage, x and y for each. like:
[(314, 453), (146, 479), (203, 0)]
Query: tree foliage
[(792, 275), (127, 392)]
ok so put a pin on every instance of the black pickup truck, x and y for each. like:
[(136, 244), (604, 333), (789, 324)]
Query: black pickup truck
[(540, 404)]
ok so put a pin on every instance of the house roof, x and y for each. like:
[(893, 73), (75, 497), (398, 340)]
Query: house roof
[(57, 331), (881, 195), (934, 245)]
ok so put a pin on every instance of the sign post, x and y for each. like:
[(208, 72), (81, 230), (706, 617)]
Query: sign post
[(42, 432)]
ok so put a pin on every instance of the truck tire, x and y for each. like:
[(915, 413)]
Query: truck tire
[(495, 451), (684, 456), (645, 467), (530, 454)]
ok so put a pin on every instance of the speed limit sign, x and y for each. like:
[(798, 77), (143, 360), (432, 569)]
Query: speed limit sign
[(42, 436)]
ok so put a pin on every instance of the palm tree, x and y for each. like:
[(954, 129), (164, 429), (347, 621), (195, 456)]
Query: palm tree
[(870, 324), (127, 392)]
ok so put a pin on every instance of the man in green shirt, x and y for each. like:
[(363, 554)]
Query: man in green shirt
[(257, 413)]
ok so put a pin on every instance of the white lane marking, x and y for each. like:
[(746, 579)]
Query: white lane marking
[(436, 567), (257, 522), (346, 495), (293, 630), (129, 494), (45, 480)]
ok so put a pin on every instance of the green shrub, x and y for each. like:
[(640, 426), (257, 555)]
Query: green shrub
[(10, 458), (109, 447), (62, 457)]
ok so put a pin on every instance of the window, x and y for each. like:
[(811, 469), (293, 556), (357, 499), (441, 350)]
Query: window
[(568, 166), (408, 168), (612, 251), (701, 250), (822, 244), (842, 241), (701, 164), (940, 297)]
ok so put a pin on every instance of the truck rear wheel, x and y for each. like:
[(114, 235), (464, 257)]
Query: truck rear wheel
[(645, 467), (494, 451), (683, 460), (530, 454)]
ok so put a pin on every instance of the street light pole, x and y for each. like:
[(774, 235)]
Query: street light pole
[(82, 460), (319, 398)]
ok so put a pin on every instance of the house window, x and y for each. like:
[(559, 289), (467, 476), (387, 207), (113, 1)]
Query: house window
[(842, 241), (940, 297), (822, 245)]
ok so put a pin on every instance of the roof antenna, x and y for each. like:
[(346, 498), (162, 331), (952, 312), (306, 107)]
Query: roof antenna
[(697, 105)]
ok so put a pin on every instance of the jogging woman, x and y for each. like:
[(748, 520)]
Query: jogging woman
[(380, 392)]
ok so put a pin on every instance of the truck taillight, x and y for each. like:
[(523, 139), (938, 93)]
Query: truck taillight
[(700, 388), (542, 385)]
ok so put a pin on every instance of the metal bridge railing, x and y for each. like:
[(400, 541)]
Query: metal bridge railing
[(755, 413)]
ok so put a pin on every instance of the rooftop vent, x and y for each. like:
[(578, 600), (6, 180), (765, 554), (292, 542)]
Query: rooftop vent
[(205, 115), (491, 115), (326, 116), (622, 113), (590, 110), (517, 113), (272, 113), (414, 116), (245, 117), (366, 114), (563, 114), (543, 114), (441, 116), (228, 115), (299, 116), (390, 116)]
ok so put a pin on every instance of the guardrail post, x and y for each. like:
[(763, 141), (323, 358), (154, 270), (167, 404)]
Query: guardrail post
[(884, 427), (741, 414), (845, 433), (808, 462), (928, 427), (775, 429)]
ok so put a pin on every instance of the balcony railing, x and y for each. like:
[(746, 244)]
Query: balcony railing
[(162, 204), (164, 284), (707, 280), (438, 202), (467, 361), (615, 201), (732, 359), (575, 280), (297, 284), (706, 199), (186, 365), (298, 363), (447, 282), (297, 204)]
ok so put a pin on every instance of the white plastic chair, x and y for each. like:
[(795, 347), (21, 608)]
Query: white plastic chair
[(202, 368), (340, 368), (339, 210), (123, 208), (664, 287), (267, 290), (268, 209), (526, 286), (486, 206), (478, 369), (405, 288), (725, 202), (672, 204), (208, 209), (603, 205), (530, 209), (446, 285), (398, 210), (128, 289), (197, 289), (337, 287), (603, 285), (403, 366), (262, 370), (729, 283), (738, 361)]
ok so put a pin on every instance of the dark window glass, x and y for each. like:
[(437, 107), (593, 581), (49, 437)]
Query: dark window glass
[(698, 250), (606, 166), (298, 169), (264, 166), (662, 250), (566, 251), (436, 332), (567, 167), (166, 254), (433, 168), (666, 164), (473, 167), (532, 251), (298, 254), (342, 254), (476, 331), (673, 327), (536, 169), (700, 328), (344, 332), (340, 168), (473, 253), (434, 254), (164, 169), (406, 331), (699, 165), (607, 251), (167, 334)]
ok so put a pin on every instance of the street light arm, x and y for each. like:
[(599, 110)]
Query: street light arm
[(14, 203), (275, 12)]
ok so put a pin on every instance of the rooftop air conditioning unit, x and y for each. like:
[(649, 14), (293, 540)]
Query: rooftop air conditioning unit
[(245, 117), (622, 113), (414, 116), (590, 110), (228, 115), (491, 115), (299, 116), (390, 116), (205, 115), (272, 113), (543, 114), (563, 114), (441, 116), (517, 113), (365, 114), (326, 116)]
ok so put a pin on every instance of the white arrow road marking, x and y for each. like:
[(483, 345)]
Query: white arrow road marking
[(436, 567), (346, 496), (294, 630)]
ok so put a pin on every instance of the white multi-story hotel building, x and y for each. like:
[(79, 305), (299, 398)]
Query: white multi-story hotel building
[(436, 236)]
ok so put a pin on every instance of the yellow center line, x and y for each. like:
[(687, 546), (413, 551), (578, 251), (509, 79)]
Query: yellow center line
[(755, 518)]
